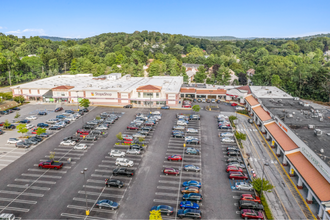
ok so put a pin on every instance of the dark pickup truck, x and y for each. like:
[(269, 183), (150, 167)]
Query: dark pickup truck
[(73, 138), (50, 165), (123, 171)]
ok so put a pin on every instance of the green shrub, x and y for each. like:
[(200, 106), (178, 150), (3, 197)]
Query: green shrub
[(244, 112), (268, 213)]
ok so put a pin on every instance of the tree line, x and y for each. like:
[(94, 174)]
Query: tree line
[(298, 67)]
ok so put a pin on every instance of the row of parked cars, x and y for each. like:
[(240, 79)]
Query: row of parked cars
[(124, 164), (249, 205), (190, 189)]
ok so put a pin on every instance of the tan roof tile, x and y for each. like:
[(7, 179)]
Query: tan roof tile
[(281, 137), (262, 114)]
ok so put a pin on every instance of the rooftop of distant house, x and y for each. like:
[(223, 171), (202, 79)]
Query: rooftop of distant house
[(269, 92)]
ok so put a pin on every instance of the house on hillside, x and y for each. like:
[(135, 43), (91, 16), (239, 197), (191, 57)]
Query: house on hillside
[(191, 70), (250, 72), (327, 55), (233, 77)]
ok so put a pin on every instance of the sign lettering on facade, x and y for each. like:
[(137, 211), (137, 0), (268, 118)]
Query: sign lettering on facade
[(314, 161), (101, 94)]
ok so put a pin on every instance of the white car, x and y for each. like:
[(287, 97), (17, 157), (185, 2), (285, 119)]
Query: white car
[(124, 162), (61, 124), (52, 121), (192, 130), (243, 186), (32, 117), (228, 140), (80, 147), (181, 122), (227, 134), (13, 141), (133, 151), (117, 153), (138, 135), (240, 108), (70, 118), (68, 143), (101, 127), (29, 126)]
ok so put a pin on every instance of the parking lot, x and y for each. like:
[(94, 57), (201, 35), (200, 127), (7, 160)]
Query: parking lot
[(31, 193)]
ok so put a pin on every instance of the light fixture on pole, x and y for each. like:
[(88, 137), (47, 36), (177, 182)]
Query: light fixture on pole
[(84, 172), (262, 180)]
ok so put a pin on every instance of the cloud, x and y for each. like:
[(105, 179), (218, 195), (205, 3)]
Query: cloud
[(1, 27), (27, 32), (310, 34)]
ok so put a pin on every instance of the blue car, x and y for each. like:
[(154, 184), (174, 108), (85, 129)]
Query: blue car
[(188, 205), (165, 107), (42, 113), (25, 121), (60, 116), (71, 112), (164, 209), (42, 125), (192, 183), (191, 150), (181, 119), (196, 197), (105, 203)]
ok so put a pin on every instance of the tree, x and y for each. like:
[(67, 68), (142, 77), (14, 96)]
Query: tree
[(155, 215), (196, 108), (266, 186), (232, 118), (119, 136), (21, 128), (6, 124), (17, 115), (141, 139), (276, 81), (242, 78), (240, 137), (40, 131), (52, 155), (73, 67), (200, 75), (84, 103)]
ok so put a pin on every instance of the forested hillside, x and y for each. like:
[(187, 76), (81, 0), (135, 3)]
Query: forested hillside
[(298, 67)]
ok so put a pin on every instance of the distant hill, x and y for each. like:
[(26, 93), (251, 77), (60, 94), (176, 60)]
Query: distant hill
[(59, 38), (231, 38)]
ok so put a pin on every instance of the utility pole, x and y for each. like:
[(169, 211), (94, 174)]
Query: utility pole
[(65, 67)]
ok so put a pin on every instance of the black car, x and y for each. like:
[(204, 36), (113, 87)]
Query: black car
[(4, 112), (22, 144), (2, 132), (128, 106), (234, 159), (43, 135), (208, 100), (189, 213), (55, 128), (232, 148), (178, 134), (58, 109), (91, 137), (42, 113), (85, 110), (42, 125), (72, 138), (31, 141), (25, 121), (10, 126), (16, 108), (88, 127), (244, 204), (114, 182), (164, 209), (81, 112), (69, 111), (66, 121), (194, 100), (39, 139), (136, 146), (233, 153), (250, 121), (218, 101)]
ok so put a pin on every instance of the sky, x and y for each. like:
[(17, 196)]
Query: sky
[(240, 18)]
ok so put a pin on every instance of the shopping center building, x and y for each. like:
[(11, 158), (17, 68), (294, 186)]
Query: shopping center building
[(299, 134)]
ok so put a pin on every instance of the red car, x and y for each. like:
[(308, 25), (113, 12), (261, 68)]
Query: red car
[(237, 176), (2, 123), (233, 104), (174, 157), (171, 171), (34, 130), (58, 109), (251, 214), (83, 132), (186, 105), (233, 169), (132, 127), (249, 197)]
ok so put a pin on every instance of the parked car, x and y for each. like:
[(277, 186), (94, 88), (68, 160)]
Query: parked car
[(16, 108), (250, 121), (91, 137), (106, 203), (31, 117), (233, 104), (133, 151), (68, 143), (233, 148), (244, 204), (227, 134), (178, 134), (164, 209), (203, 100), (191, 150), (195, 117), (52, 121), (113, 182), (117, 153), (208, 100), (22, 144), (128, 106), (233, 169), (132, 127), (224, 127), (192, 130), (55, 127), (213, 100), (10, 126), (199, 100), (236, 164), (165, 107), (192, 168), (42, 113), (192, 183), (250, 197), (233, 153), (179, 127), (124, 162), (4, 112), (171, 171), (237, 176), (181, 122), (13, 141), (239, 108), (228, 140), (189, 189), (50, 164), (42, 125), (174, 158), (58, 109), (218, 101), (191, 140), (234, 159), (60, 116), (69, 111), (243, 186), (188, 205), (251, 214), (195, 197), (80, 147)]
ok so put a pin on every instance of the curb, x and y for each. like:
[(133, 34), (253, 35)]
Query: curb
[(286, 173)]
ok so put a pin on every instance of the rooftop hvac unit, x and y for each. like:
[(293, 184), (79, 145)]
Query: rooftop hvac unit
[(306, 104), (301, 103), (296, 98), (311, 126), (293, 113), (268, 92), (322, 151), (321, 119), (318, 132), (289, 116)]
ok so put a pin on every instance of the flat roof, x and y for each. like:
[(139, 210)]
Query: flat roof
[(269, 92), (302, 118), (281, 137), (262, 114), (252, 101), (313, 177), (169, 84)]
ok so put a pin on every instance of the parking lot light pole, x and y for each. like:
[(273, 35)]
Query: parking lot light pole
[(262, 180), (84, 172), (77, 101)]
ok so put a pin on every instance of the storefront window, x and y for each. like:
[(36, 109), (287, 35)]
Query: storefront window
[(190, 95), (201, 96), (147, 95), (139, 94), (157, 94), (182, 95)]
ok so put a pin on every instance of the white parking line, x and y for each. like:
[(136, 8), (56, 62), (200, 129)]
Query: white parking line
[(170, 182), (167, 194), (96, 210), (103, 194), (75, 158), (101, 187), (14, 209), (21, 193), (168, 187), (51, 171), (19, 201), (31, 181), (27, 185), (82, 216), (165, 201), (45, 176)]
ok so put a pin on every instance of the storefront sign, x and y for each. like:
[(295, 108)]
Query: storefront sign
[(314, 161), (51, 100), (101, 94)]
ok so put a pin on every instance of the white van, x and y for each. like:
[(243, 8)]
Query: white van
[(124, 162), (6, 216)]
